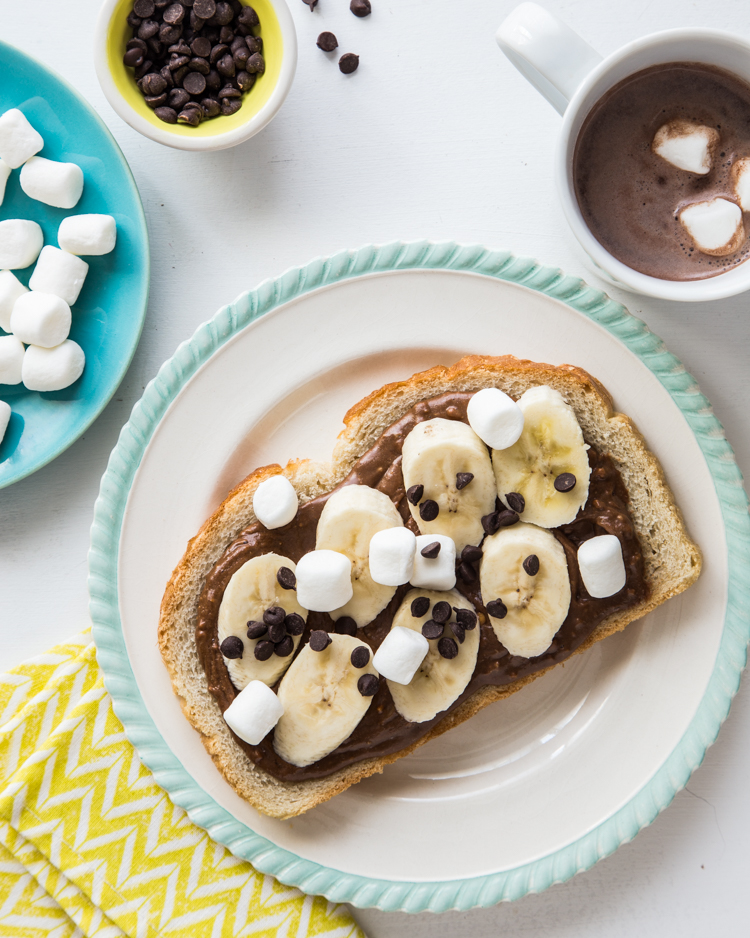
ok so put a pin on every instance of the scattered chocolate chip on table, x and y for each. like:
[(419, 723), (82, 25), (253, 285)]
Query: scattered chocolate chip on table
[(360, 7), (348, 63), (327, 42)]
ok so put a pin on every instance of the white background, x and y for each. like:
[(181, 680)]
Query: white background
[(436, 136)]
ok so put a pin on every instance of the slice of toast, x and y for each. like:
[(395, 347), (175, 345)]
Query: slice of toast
[(671, 560)]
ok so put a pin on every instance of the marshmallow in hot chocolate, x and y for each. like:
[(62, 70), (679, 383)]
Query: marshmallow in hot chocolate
[(715, 226), (741, 181), (686, 145)]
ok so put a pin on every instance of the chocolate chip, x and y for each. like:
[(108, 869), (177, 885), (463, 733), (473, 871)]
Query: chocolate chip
[(345, 626), (531, 565), (368, 684), (256, 64), (459, 631), (217, 52), (294, 623), (466, 572), (467, 618), (178, 98), (432, 550), (133, 21), (432, 629), (497, 609), (190, 115), (463, 479), (264, 650), (232, 647), (256, 629), (166, 114), (414, 494), (155, 48), (169, 34), (240, 57), (153, 84), (174, 14), (471, 554), (327, 42), (205, 9), (194, 82), (276, 632), (143, 69), (244, 80), (348, 63), (420, 606), (274, 615), (213, 81), (287, 579), (224, 13), (156, 100), (441, 611), (565, 482), (144, 8), (201, 46), (230, 106), (225, 66), (319, 640), (196, 64), (360, 7), (448, 647), (136, 43), (311, 3), (177, 62), (133, 58), (360, 656), (167, 76), (516, 502), (429, 510), (285, 647), (490, 523), (248, 17), (147, 29), (196, 23), (506, 518)]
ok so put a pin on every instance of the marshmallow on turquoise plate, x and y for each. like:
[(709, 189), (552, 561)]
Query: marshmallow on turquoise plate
[(4, 418), (60, 273), (435, 572), (10, 289), (11, 359), (51, 182), (391, 556), (275, 502), (52, 369), (41, 319), (602, 566), (495, 418), (18, 139), (400, 654), (21, 241), (254, 712), (87, 234), (324, 580)]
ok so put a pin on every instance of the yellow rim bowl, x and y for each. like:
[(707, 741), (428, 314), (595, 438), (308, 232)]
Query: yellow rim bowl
[(259, 105)]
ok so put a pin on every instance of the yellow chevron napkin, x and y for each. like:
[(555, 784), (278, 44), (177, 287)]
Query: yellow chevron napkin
[(91, 846)]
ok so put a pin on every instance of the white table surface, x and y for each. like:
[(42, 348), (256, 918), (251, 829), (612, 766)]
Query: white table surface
[(436, 136)]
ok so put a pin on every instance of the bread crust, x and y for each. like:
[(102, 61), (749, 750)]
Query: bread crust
[(672, 561)]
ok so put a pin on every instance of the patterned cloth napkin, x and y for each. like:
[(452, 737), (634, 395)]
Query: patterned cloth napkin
[(91, 846)]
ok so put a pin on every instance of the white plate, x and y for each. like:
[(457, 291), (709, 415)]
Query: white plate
[(529, 775)]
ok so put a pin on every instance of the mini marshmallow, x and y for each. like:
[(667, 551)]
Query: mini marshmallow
[(741, 180), (4, 418), (87, 234), (715, 226), (275, 502), (4, 173), (41, 319), (400, 654), (18, 139), (57, 184), (391, 556), (52, 369), (324, 580), (20, 243), (495, 418), (601, 565), (686, 145), (254, 712), (10, 289), (60, 273), (11, 359), (440, 572)]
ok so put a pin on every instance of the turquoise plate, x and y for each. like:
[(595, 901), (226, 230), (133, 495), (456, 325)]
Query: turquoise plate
[(203, 808), (109, 314)]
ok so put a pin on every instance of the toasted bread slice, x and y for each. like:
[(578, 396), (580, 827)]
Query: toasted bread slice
[(671, 560)]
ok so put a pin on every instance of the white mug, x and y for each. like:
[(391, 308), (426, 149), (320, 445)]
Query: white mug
[(573, 77)]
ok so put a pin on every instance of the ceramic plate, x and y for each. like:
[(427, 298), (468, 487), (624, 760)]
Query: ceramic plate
[(109, 314), (532, 789)]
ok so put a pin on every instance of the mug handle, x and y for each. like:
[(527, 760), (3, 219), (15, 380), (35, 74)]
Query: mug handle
[(547, 52)]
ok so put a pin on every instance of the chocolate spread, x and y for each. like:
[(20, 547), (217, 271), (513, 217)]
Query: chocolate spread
[(383, 730)]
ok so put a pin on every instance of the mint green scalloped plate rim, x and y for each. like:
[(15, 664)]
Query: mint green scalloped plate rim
[(203, 810)]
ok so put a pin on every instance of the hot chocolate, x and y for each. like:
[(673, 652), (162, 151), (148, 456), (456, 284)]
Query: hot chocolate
[(631, 188)]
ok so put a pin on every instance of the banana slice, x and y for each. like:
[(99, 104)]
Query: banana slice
[(252, 590), (438, 681), (349, 519), (321, 700), (447, 464), (550, 446), (536, 604)]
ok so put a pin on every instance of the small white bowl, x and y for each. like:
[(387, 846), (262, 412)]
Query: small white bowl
[(259, 105)]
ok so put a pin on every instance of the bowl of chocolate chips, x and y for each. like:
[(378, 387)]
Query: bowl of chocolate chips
[(196, 74)]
